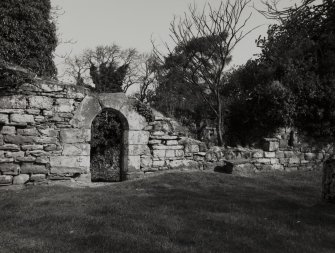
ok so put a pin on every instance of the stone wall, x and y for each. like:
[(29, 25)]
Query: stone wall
[(45, 131), (45, 134)]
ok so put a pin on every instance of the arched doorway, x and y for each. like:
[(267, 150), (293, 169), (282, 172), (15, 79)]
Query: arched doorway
[(107, 146)]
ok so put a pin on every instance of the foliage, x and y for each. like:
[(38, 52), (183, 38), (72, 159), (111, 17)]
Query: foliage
[(144, 110), (106, 147), (12, 77), (27, 35), (204, 42), (297, 56), (109, 68)]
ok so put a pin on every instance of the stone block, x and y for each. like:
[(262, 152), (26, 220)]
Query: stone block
[(27, 132), (157, 133), (32, 147), (77, 149), (10, 147), (269, 154), (164, 137), (289, 154), (51, 147), (136, 137), (280, 154), (40, 102), (4, 119), (31, 168), (37, 178), (75, 135), (22, 118), (277, 167), (154, 142), (133, 163), (13, 102), (15, 154), (271, 144), (33, 111), (49, 132), (1, 140), (176, 164), (64, 105), (8, 130), (46, 140), (146, 161), (86, 112), (172, 142), (9, 168), (48, 113), (170, 153), (258, 154), (158, 164), (11, 111), (135, 150), (26, 159), (18, 139), (294, 161), (274, 160), (164, 147), (6, 160), (36, 153), (70, 161), (58, 170), (43, 160), (263, 160), (159, 153), (6, 180), (51, 87), (21, 179), (179, 153), (65, 115)]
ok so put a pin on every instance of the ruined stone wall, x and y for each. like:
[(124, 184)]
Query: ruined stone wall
[(37, 139), (170, 150), (45, 134)]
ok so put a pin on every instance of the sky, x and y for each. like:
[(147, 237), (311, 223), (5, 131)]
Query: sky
[(132, 24)]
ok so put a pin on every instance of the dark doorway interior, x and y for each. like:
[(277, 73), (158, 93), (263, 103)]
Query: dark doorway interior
[(106, 147)]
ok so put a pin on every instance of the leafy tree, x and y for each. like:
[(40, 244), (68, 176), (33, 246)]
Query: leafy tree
[(292, 83), (300, 50), (203, 45), (109, 68), (27, 35)]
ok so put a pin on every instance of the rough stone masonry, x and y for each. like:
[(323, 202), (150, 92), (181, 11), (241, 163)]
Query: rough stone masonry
[(45, 133)]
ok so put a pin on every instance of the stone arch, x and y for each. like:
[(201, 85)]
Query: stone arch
[(135, 139), (107, 146)]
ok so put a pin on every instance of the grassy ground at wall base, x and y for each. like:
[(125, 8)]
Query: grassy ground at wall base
[(174, 212)]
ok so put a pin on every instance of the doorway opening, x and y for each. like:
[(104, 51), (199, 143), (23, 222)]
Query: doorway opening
[(107, 147)]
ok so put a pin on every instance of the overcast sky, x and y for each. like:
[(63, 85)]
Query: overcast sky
[(132, 23)]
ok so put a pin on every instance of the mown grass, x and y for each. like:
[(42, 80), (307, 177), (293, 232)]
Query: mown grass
[(175, 212)]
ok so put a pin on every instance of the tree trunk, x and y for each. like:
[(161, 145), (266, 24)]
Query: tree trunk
[(219, 126)]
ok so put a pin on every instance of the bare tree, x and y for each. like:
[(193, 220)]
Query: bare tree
[(146, 76), (103, 66), (274, 12), (204, 42)]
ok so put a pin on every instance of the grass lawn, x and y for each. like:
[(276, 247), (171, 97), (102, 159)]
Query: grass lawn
[(174, 212)]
